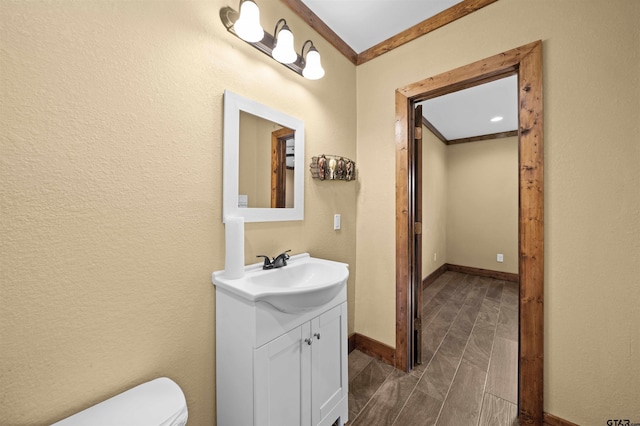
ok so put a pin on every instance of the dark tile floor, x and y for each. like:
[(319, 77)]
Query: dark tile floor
[(468, 374)]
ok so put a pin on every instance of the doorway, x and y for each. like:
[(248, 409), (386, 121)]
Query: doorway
[(526, 62)]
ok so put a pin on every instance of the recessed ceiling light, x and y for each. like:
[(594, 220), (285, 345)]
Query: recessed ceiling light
[(496, 119)]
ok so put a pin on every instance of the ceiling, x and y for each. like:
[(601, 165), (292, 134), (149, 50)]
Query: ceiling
[(468, 113), (366, 25)]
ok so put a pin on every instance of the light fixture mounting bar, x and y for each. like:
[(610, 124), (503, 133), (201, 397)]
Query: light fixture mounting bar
[(230, 16)]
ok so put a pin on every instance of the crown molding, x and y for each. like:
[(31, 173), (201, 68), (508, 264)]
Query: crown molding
[(441, 19)]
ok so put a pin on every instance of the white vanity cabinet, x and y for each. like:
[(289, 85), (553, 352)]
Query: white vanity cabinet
[(280, 369)]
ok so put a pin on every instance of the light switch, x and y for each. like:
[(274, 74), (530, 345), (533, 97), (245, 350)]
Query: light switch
[(500, 257), (336, 222)]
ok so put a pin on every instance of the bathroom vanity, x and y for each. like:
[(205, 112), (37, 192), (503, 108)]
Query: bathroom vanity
[(284, 365), (281, 333)]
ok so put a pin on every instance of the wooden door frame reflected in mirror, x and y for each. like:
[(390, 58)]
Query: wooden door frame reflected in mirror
[(526, 62), (279, 167)]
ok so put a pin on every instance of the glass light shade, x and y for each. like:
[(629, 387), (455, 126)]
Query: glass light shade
[(248, 27), (284, 51), (313, 69)]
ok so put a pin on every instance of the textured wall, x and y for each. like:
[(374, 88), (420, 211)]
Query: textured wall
[(482, 204), (591, 60), (111, 169), (434, 202), (470, 204)]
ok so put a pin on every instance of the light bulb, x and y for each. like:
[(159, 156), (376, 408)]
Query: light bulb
[(313, 69), (283, 51), (248, 27)]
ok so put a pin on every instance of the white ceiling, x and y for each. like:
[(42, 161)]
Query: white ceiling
[(468, 113), (364, 23)]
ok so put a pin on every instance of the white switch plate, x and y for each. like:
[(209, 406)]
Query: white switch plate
[(336, 222), (500, 257)]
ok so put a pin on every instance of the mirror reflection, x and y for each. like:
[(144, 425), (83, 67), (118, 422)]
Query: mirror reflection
[(267, 158)]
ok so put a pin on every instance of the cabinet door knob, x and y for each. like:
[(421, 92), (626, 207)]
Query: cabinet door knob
[(317, 335), (308, 340)]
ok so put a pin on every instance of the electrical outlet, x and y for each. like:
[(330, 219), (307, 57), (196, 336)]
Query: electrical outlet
[(500, 257), (435, 256), (336, 222)]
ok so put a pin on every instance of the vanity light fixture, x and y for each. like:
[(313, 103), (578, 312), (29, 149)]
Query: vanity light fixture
[(279, 46), (247, 26), (283, 50), (312, 67)]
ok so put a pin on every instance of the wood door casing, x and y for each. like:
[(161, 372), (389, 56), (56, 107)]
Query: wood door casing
[(416, 219), (278, 167), (526, 62)]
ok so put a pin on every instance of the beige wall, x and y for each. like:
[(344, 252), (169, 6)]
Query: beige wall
[(592, 203), (111, 123), (255, 159), (482, 204), (111, 118), (470, 204), (434, 202)]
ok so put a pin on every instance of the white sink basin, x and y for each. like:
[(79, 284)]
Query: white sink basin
[(305, 283)]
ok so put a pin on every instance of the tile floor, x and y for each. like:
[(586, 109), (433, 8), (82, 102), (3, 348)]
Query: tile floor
[(469, 371)]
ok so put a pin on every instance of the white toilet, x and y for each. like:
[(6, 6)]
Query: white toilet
[(159, 402)]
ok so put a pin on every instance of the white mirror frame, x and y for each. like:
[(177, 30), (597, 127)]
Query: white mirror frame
[(233, 104)]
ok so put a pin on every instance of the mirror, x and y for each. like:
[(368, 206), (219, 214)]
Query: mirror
[(263, 161), (265, 180)]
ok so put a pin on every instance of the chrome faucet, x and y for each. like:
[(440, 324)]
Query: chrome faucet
[(277, 262)]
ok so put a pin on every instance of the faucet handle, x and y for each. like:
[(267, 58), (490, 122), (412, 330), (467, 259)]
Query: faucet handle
[(280, 260), (267, 262), (285, 255)]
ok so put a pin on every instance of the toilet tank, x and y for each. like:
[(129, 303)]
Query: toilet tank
[(159, 402)]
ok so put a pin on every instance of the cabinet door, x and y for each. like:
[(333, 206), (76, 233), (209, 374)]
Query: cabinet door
[(282, 380), (328, 363)]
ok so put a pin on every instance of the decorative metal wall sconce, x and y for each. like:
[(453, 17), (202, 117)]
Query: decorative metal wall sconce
[(246, 26), (332, 167)]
